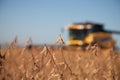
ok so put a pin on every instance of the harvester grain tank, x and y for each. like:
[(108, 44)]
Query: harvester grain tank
[(88, 32)]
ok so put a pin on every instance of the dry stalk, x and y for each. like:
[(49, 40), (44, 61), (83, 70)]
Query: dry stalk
[(89, 47), (35, 68), (61, 42), (2, 61), (55, 65), (43, 54), (14, 42), (52, 58), (65, 60), (22, 51), (33, 59), (96, 50), (28, 43)]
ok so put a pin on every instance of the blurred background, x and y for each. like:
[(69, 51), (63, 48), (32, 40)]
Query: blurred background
[(43, 20)]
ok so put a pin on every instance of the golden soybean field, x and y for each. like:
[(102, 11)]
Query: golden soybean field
[(58, 63)]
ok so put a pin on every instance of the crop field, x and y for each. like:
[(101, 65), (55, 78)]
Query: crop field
[(58, 62)]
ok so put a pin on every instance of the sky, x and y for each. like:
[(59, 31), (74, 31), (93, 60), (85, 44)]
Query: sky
[(42, 20)]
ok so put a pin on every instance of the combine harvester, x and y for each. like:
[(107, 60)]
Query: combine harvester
[(82, 34)]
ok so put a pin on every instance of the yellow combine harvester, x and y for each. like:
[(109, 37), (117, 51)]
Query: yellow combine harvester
[(86, 33)]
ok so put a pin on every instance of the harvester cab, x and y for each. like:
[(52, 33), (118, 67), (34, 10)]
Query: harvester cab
[(88, 32)]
